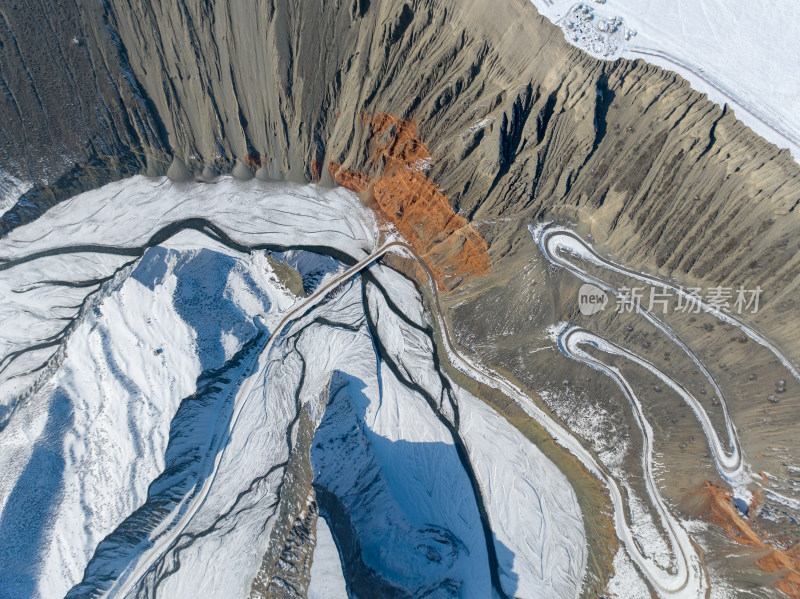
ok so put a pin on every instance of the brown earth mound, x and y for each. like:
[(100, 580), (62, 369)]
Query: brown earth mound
[(715, 505), (406, 197)]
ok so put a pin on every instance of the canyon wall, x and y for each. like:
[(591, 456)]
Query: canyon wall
[(519, 124)]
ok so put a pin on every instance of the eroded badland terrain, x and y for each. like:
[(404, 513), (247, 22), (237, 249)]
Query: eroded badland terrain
[(462, 123)]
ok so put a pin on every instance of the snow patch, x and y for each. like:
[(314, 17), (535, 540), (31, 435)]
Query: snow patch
[(739, 52), (626, 582)]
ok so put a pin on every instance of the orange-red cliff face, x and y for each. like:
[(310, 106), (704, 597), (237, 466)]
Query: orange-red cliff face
[(715, 505), (352, 180), (406, 197)]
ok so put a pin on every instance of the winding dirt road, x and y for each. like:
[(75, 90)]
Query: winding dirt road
[(688, 577)]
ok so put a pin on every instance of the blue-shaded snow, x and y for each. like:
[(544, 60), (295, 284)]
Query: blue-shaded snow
[(23, 525), (389, 545), (196, 437), (204, 300)]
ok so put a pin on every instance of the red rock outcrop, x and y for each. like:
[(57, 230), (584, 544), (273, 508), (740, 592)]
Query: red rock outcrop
[(352, 180), (406, 197), (715, 505)]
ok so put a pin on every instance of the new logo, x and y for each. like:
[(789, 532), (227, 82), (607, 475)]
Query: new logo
[(591, 299)]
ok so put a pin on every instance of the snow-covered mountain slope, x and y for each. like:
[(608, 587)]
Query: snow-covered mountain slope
[(395, 474), (511, 477), (151, 452), (47, 270), (742, 53), (82, 452)]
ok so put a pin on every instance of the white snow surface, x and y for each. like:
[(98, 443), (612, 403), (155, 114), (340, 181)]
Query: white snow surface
[(125, 214), (626, 583), (327, 578), (33, 311), (740, 52), (150, 457), (525, 514), (104, 417)]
